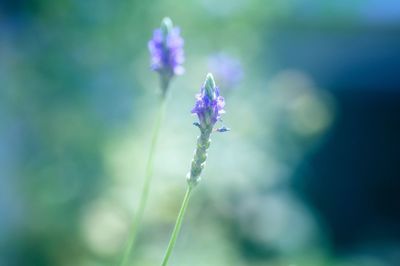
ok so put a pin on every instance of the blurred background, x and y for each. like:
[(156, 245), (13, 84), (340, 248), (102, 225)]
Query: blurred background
[(309, 174)]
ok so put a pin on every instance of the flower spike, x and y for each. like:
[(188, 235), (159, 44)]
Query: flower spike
[(166, 50), (209, 108)]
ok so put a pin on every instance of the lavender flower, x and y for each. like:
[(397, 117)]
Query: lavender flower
[(166, 50), (209, 107), (227, 70), (209, 104)]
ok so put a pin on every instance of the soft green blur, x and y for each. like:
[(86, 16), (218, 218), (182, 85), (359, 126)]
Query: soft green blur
[(78, 101)]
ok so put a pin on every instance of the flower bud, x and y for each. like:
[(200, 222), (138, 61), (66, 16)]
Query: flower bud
[(209, 86), (166, 27)]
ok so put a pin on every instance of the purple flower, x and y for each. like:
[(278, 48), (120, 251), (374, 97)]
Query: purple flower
[(209, 104), (209, 107), (227, 70), (166, 50)]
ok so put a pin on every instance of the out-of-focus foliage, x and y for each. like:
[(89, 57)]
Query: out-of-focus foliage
[(77, 102)]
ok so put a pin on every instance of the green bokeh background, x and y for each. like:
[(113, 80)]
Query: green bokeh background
[(77, 107)]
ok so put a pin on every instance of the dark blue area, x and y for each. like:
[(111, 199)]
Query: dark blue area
[(354, 180), (351, 59)]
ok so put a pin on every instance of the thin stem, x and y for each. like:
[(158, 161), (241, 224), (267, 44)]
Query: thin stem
[(178, 225), (146, 186)]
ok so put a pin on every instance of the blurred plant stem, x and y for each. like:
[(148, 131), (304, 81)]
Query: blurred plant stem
[(147, 182), (178, 225)]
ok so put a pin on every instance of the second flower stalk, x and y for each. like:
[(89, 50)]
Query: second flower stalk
[(167, 57)]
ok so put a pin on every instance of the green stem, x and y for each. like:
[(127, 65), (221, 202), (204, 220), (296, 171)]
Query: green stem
[(146, 186), (177, 227)]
